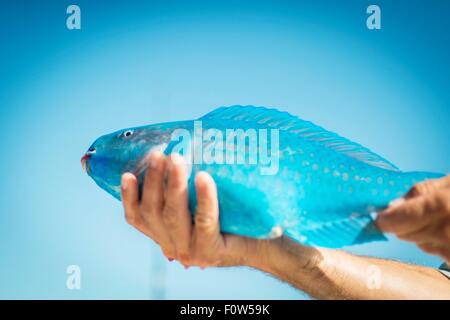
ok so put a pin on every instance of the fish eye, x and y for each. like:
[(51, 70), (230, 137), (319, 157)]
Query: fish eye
[(128, 133)]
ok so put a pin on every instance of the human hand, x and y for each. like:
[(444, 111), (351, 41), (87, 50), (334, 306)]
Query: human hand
[(163, 215), (422, 216)]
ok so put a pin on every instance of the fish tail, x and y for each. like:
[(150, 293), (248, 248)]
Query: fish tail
[(422, 175), (338, 234), (356, 228), (409, 179)]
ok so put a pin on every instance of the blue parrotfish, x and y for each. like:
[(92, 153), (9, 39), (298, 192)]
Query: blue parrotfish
[(318, 188)]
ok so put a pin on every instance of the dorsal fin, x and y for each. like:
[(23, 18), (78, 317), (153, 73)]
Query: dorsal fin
[(305, 129)]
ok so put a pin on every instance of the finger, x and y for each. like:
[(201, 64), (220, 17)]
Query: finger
[(153, 188), (427, 234), (152, 203), (428, 247), (130, 199), (207, 213), (176, 215), (436, 249), (409, 216), (428, 186)]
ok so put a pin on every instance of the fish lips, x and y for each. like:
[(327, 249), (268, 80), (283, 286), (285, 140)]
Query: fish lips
[(85, 161)]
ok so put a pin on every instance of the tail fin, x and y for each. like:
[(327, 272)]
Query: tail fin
[(418, 176), (409, 179), (337, 234), (355, 229)]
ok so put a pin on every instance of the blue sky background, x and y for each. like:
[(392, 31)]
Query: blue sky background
[(139, 62)]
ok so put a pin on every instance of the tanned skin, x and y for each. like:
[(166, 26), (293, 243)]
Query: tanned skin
[(163, 215)]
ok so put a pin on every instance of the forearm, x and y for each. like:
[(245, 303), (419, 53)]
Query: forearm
[(333, 274)]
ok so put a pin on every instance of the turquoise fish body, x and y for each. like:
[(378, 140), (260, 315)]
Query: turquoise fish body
[(323, 192)]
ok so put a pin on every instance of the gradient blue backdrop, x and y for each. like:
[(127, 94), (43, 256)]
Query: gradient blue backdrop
[(136, 62)]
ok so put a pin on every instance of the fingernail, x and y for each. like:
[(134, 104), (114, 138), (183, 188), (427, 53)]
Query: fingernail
[(202, 178), (170, 259), (155, 158), (175, 160), (185, 266), (396, 202), (123, 183)]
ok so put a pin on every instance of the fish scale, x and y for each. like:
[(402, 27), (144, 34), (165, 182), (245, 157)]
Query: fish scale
[(323, 194)]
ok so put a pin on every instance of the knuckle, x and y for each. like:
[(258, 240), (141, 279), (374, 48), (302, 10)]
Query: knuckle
[(416, 190), (428, 186), (169, 221), (170, 214), (147, 209), (178, 186), (204, 220), (175, 184), (422, 188), (130, 219)]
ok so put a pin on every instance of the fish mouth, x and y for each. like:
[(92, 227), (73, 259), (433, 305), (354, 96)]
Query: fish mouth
[(85, 158), (84, 163)]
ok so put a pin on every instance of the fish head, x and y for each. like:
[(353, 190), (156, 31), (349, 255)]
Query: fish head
[(122, 151)]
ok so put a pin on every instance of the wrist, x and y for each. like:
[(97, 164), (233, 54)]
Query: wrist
[(282, 254), (259, 253)]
